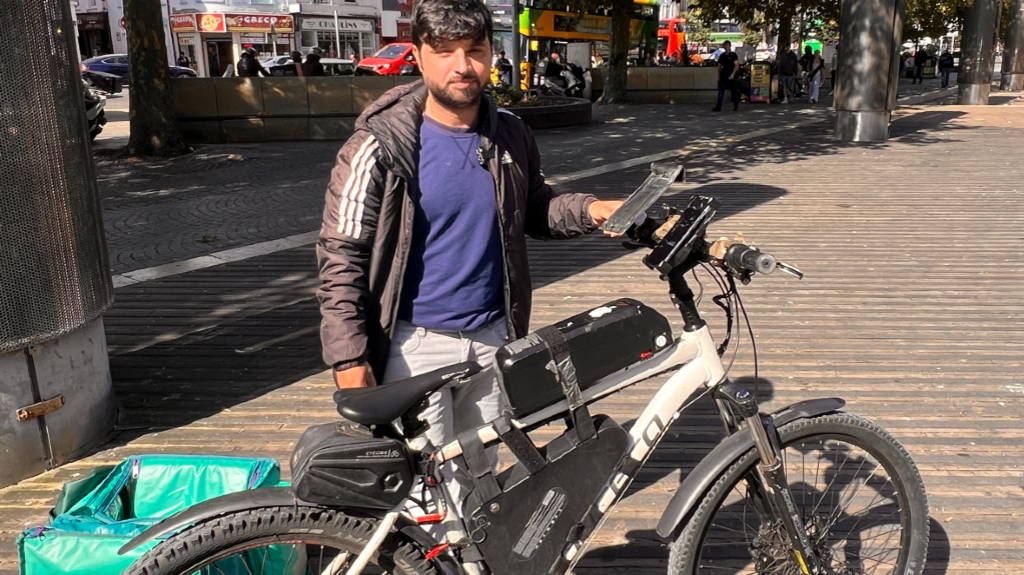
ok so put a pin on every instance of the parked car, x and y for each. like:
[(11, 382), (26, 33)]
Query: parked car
[(117, 64), (388, 61), (332, 67), (269, 63)]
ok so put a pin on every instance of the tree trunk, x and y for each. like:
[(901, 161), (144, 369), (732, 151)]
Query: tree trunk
[(153, 122), (615, 81), (785, 39)]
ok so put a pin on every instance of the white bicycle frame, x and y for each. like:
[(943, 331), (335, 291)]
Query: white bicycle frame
[(695, 356)]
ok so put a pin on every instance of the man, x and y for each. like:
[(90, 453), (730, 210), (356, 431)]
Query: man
[(183, 60), (945, 67), (728, 66), (504, 69), (249, 67), (296, 64), (312, 65), (553, 69), (422, 252), (920, 59), (789, 66)]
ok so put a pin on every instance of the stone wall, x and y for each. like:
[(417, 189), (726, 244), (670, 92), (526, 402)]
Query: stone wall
[(666, 85), (219, 110)]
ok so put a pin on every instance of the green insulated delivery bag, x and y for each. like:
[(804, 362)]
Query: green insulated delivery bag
[(99, 513)]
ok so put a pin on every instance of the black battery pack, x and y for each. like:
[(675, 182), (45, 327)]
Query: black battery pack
[(601, 341)]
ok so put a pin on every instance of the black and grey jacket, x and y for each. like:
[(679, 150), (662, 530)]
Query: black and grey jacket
[(367, 227)]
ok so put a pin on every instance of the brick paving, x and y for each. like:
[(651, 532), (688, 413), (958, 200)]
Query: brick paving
[(231, 195)]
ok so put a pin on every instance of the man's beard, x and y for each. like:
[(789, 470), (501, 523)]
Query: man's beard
[(456, 99)]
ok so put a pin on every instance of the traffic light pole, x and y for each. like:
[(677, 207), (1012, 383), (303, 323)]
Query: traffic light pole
[(516, 45)]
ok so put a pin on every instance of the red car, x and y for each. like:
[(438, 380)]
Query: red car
[(388, 61)]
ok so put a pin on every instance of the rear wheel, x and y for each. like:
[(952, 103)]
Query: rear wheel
[(279, 541), (860, 497)]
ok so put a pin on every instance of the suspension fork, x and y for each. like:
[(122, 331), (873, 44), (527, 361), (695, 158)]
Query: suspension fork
[(771, 471)]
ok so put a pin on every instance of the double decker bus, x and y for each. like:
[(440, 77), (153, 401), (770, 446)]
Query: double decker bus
[(672, 35)]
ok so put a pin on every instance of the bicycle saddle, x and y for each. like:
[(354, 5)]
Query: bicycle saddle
[(386, 403)]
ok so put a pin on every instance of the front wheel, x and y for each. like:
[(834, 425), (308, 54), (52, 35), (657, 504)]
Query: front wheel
[(279, 541), (860, 496)]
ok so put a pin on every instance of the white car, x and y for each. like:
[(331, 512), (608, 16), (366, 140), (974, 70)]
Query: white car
[(275, 61)]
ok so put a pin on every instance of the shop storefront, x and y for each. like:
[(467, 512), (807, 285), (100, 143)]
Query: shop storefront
[(345, 36), (213, 42), (93, 34), (183, 28)]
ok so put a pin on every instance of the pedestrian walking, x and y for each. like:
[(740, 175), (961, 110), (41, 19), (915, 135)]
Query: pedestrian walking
[(183, 60), (789, 66), (312, 65), (728, 66), (249, 67), (817, 65), (504, 69), (297, 63), (945, 67), (920, 57)]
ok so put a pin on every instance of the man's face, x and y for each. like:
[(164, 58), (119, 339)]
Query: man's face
[(727, 47), (452, 70)]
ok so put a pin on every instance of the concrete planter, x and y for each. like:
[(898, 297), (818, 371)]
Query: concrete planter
[(555, 112)]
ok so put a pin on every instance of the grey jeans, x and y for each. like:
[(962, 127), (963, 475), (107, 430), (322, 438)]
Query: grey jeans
[(460, 405)]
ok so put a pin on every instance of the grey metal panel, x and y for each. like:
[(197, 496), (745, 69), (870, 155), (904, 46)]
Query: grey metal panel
[(76, 366), (21, 448), (54, 272)]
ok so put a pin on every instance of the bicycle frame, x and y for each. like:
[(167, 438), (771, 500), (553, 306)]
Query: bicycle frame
[(693, 354)]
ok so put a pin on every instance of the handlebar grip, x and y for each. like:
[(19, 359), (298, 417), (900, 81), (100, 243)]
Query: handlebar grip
[(741, 257)]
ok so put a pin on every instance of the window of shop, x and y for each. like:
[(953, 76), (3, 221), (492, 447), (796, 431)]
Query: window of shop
[(352, 43)]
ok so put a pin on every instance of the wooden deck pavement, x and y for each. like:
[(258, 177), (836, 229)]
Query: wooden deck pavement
[(911, 310)]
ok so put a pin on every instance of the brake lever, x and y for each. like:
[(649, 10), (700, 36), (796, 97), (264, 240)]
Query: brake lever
[(791, 270)]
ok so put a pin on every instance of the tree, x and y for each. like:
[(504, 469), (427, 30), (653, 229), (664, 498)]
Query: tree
[(697, 30), (153, 122), (621, 13), (781, 11)]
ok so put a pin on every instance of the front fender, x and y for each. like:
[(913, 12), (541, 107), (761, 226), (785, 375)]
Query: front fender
[(721, 457), (223, 505)]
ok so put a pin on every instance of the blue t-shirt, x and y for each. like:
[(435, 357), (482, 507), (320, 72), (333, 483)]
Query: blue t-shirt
[(453, 280)]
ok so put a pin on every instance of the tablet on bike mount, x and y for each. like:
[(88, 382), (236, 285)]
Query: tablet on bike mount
[(657, 183)]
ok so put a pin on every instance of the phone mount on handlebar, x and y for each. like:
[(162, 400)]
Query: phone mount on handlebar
[(687, 233), (662, 176)]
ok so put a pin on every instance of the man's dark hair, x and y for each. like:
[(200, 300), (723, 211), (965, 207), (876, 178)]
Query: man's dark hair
[(439, 20)]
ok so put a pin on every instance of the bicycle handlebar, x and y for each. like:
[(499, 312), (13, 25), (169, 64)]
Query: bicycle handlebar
[(745, 258)]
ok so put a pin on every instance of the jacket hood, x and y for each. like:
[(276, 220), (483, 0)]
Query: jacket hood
[(395, 120)]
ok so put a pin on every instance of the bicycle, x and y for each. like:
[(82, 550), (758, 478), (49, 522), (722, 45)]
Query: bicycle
[(808, 489)]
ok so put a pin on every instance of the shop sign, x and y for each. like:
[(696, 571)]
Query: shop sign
[(183, 23), (187, 40), (259, 23), (211, 23), (285, 39), (92, 22), (760, 83), (345, 25)]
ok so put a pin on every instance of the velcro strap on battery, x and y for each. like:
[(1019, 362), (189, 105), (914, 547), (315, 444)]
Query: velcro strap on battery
[(562, 366), (519, 444), (484, 484)]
